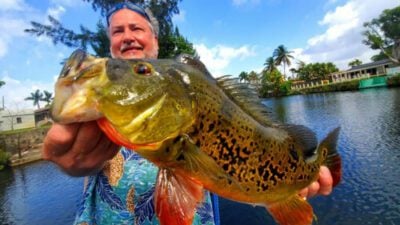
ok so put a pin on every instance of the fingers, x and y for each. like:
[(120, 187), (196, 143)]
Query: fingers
[(323, 186), (78, 149), (325, 180), (87, 138), (59, 140), (311, 190)]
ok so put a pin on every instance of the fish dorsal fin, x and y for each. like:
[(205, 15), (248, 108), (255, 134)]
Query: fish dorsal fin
[(194, 62), (304, 137), (243, 94), (246, 96)]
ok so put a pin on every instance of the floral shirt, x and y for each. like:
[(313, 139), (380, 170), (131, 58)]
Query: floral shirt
[(123, 194)]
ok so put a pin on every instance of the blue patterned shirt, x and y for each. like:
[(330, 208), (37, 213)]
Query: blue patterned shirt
[(122, 193)]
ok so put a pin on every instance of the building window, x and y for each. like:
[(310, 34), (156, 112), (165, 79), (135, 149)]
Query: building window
[(19, 120)]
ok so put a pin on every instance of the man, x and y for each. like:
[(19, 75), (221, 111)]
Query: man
[(120, 190)]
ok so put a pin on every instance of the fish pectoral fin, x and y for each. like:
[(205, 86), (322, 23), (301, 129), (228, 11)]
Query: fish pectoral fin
[(293, 211), (176, 198)]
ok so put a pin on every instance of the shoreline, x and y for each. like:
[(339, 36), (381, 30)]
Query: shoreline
[(28, 156)]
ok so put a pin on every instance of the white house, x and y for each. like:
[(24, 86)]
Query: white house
[(13, 120)]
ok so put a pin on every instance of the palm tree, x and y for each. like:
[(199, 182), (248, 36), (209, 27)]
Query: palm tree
[(282, 55), (48, 97), (36, 97), (270, 64), (253, 77), (243, 76)]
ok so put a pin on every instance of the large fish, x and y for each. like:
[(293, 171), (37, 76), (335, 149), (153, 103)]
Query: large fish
[(202, 133)]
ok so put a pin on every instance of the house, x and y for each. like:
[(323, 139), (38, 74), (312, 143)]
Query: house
[(16, 119), (42, 116), (366, 70)]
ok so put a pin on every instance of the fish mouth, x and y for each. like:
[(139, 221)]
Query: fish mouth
[(74, 90)]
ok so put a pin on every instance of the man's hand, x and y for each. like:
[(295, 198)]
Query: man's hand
[(80, 149), (322, 187)]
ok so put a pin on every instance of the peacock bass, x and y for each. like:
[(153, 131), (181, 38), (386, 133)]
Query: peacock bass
[(202, 133)]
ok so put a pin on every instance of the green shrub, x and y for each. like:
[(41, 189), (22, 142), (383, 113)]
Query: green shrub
[(4, 159), (393, 80)]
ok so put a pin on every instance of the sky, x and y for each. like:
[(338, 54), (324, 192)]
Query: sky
[(230, 36)]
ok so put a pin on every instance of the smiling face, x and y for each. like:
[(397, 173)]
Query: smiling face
[(131, 36)]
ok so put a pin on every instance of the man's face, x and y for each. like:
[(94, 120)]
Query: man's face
[(131, 36)]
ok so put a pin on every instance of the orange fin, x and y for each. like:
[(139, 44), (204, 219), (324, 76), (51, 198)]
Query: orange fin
[(293, 211), (176, 198)]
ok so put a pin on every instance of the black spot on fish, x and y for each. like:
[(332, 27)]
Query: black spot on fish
[(211, 127), (181, 157), (294, 155)]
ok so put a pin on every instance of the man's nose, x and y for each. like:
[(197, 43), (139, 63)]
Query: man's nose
[(128, 37)]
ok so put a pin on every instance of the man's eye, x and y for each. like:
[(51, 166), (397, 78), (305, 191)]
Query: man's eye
[(142, 69), (117, 31)]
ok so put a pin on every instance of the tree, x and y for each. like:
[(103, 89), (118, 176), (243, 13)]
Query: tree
[(271, 83), (48, 97), (270, 64), (383, 33), (253, 77), (170, 41), (2, 83), (355, 62), (300, 66), (282, 56), (36, 97), (315, 71), (243, 76)]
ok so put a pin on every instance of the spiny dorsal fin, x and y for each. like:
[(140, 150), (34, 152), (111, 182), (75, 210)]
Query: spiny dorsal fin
[(195, 62), (242, 94), (246, 96), (304, 137)]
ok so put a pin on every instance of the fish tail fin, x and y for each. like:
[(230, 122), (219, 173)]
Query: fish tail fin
[(292, 211), (331, 157), (176, 197)]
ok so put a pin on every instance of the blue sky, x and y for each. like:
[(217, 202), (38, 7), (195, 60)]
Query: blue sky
[(230, 35)]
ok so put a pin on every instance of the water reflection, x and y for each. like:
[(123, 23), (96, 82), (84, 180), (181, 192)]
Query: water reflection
[(38, 193)]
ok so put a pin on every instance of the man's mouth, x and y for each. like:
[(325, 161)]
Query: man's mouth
[(131, 49)]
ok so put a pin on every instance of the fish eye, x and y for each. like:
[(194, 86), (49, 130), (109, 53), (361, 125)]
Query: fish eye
[(142, 69)]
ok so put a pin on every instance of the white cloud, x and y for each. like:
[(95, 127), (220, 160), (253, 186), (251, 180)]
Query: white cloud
[(15, 91), (7, 5), (56, 12), (219, 57), (342, 40), (12, 28)]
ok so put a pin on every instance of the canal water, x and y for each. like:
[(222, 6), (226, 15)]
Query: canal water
[(369, 143)]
